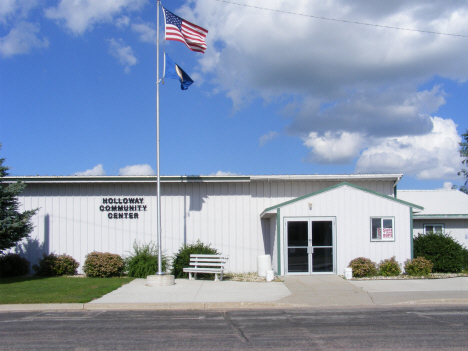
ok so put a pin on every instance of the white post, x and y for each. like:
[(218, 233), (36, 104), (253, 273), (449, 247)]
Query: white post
[(159, 279), (158, 219)]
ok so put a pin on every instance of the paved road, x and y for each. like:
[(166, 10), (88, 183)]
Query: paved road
[(368, 328)]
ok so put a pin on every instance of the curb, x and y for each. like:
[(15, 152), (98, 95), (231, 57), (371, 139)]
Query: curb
[(145, 306), (203, 306)]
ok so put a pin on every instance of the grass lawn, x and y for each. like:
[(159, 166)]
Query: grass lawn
[(56, 289)]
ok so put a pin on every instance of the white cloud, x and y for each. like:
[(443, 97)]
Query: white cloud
[(350, 84), (123, 53), (81, 15), (222, 173), (122, 22), (333, 147), (431, 156), (14, 10), (138, 170), (447, 186), (21, 39), (96, 171), (147, 33), (7, 8), (268, 137)]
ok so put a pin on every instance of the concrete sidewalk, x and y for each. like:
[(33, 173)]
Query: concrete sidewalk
[(294, 291)]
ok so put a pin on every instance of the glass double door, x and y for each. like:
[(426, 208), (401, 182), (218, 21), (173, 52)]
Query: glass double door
[(310, 245)]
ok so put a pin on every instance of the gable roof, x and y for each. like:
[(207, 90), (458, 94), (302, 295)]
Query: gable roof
[(442, 203), (272, 210)]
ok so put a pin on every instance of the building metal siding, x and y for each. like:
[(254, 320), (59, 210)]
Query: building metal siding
[(457, 228), (352, 209), (223, 214)]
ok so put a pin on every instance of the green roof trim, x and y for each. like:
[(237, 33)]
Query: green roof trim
[(338, 186), (425, 216)]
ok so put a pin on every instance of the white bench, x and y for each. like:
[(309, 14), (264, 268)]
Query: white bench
[(206, 264)]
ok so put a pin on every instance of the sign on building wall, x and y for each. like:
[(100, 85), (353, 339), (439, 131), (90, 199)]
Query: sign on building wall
[(123, 207)]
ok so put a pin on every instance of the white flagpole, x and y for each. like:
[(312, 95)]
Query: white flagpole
[(158, 220)]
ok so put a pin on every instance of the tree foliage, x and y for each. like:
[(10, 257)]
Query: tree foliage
[(464, 154), (14, 225)]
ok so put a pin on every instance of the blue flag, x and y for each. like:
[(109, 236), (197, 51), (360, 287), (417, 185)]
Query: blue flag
[(173, 71)]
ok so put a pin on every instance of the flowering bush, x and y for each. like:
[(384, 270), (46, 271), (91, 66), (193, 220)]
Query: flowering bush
[(13, 265), (103, 264), (52, 265), (362, 267), (418, 266), (389, 267)]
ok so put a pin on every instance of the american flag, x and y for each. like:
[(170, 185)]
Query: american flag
[(181, 30)]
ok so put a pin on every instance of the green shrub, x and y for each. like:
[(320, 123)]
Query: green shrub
[(52, 265), (144, 260), (13, 265), (103, 264), (389, 267), (181, 259), (363, 267), (418, 266), (446, 253)]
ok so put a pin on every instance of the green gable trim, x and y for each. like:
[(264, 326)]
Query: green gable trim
[(338, 186)]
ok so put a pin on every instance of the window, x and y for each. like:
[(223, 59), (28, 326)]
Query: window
[(433, 228), (382, 229)]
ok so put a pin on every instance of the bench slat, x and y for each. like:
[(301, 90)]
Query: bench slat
[(203, 270), (202, 264), (208, 261)]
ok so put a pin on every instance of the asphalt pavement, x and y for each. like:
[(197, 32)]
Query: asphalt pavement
[(293, 291)]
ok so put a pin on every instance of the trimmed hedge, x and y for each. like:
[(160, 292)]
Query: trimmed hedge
[(445, 252), (363, 267), (103, 264), (13, 265), (182, 258), (56, 265)]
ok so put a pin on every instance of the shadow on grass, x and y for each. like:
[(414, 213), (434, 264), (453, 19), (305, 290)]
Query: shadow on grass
[(14, 280)]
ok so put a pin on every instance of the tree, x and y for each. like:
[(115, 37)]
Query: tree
[(14, 225), (464, 153)]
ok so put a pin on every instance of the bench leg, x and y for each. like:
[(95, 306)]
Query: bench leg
[(190, 276), (221, 275), (216, 277)]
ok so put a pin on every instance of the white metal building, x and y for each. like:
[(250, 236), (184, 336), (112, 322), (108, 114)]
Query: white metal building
[(309, 224), (444, 211)]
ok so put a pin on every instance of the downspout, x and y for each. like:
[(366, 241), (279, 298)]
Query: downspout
[(278, 238), (411, 231)]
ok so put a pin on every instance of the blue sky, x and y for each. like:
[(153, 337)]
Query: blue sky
[(277, 92)]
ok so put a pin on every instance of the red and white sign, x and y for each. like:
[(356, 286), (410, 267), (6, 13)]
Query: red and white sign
[(387, 233)]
